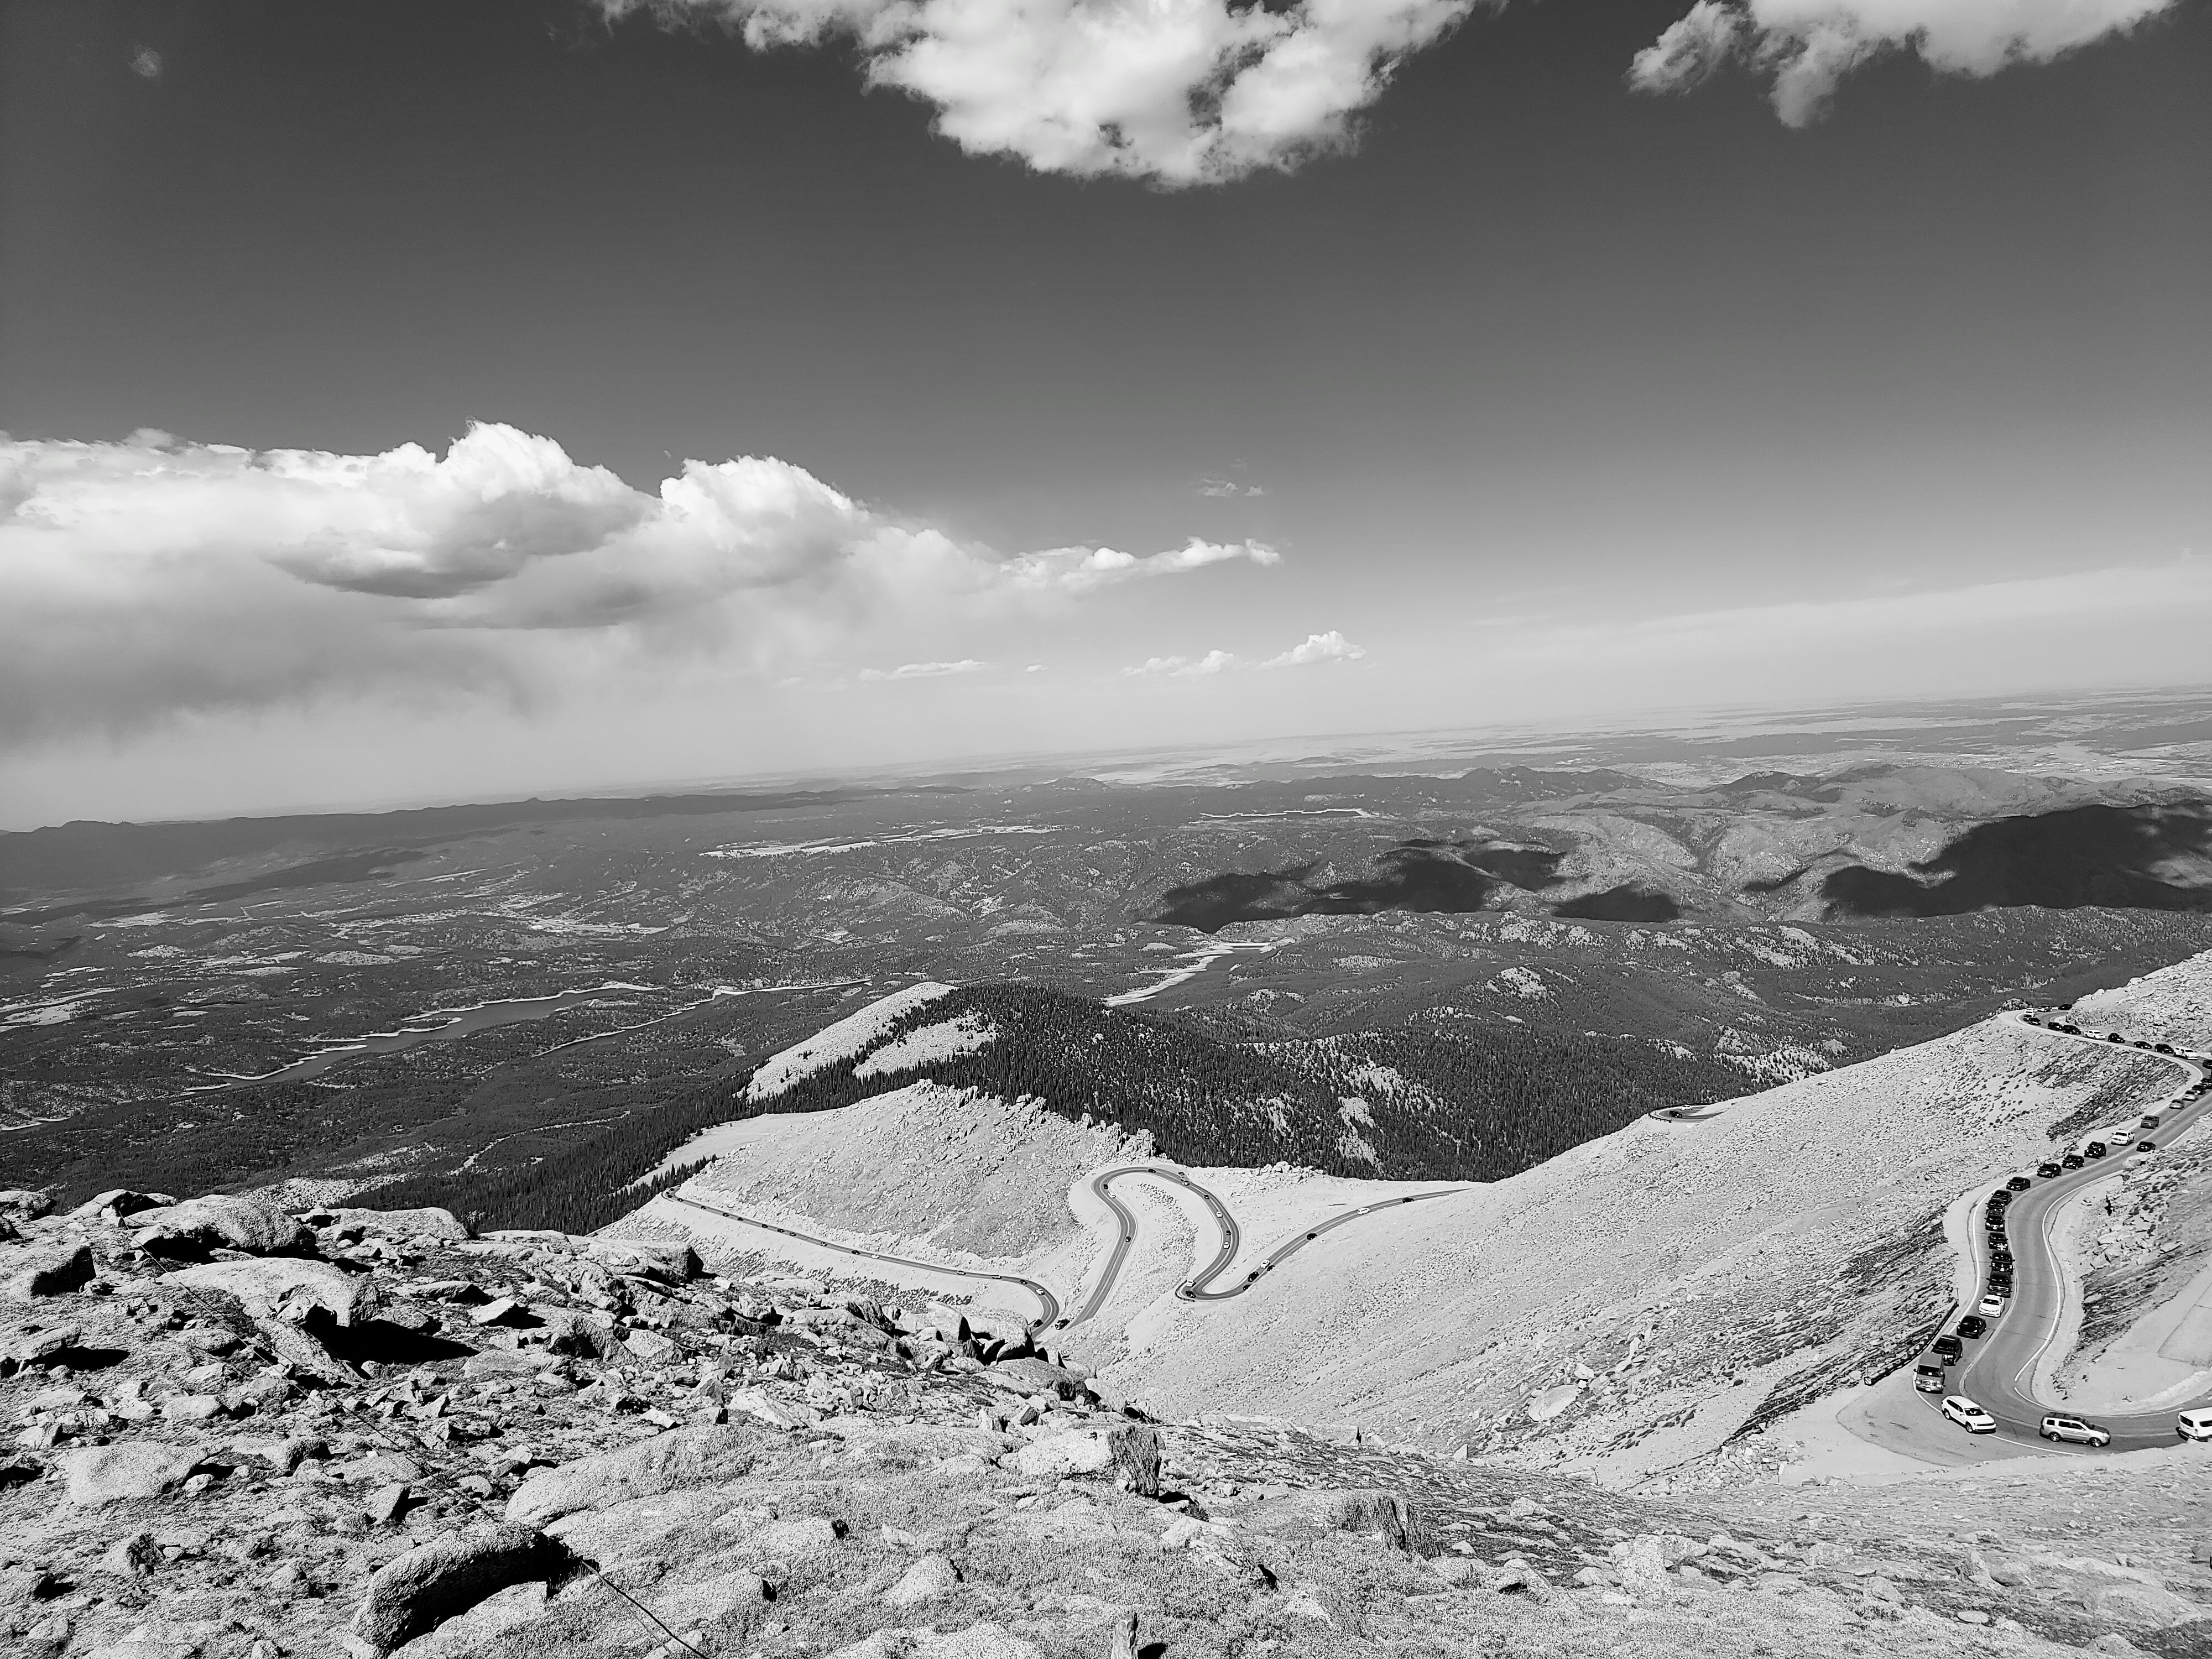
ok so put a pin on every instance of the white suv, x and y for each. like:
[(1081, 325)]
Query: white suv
[(1991, 1306), (1967, 1415), (2195, 1424), (2075, 1430)]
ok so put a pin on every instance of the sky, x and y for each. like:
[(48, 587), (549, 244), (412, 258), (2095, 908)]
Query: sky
[(420, 401)]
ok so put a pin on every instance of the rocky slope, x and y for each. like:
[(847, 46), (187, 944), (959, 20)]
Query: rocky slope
[(241, 1433)]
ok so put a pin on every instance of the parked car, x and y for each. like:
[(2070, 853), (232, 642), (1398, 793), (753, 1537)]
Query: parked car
[(2146, 1145), (2195, 1424), (1967, 1415), (1972, 1326), (2095, 1149), (2046, 1171), (1928, 1376), (2017, 1184), (1991, 1306), (2076, 1431), (1947, 1348), (2073, 1161), (2150, 1121)]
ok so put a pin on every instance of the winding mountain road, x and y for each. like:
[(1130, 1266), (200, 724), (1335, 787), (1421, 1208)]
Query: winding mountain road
[(1998, 1372), (1047, 1304), (1197, 1287)]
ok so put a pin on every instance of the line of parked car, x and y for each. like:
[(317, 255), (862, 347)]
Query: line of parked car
[(1929, 1376)]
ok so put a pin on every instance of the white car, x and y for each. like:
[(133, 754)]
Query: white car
[(1991, 1306), (1967, 1415), (2195, 1424), (2075, 1430)]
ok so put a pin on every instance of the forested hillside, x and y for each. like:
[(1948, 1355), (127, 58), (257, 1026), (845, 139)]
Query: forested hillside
[(1459, 1100)]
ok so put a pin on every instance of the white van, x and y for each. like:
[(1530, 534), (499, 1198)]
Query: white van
[(2195, 1424)]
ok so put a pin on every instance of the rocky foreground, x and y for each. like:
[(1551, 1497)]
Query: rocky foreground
[(246, 1432)]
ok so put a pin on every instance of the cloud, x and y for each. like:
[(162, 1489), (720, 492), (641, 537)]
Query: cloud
[(146, 63), (1080, 569), (1175, 92), (924, 671), (1214, 662), (150, 578), (1805, 46), (1221, 488), (1331, 646)]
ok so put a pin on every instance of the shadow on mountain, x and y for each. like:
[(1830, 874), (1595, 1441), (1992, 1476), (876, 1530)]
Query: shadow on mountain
[(1426, 876), (1623, 903), (2109, 856)]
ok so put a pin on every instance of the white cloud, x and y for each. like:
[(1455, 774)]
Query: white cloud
[(1331, 646), (925, 671), (1805, 46), (1080, 569), (1227, 489), (1214, 662), (1178, 92), (151, 578)]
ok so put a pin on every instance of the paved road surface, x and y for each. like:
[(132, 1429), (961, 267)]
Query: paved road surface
[(1047, 1304), (1197, 1287), (1194, 1289), (1998, 1372)]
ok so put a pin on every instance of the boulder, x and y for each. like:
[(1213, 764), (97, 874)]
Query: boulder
[(429, 1223), (679, 1458), (117, 1202), (1034, 1376), (801, 1534), (707, 1600), (134, 1469), (37, 1270), (977, 1642), (221, 1221), (37, 1348), (418, 1591), (648, 1258), (2143, 1606), (287, 1289), (567, 1331), (18, 1204), (1071, 1452), (930, 1576)]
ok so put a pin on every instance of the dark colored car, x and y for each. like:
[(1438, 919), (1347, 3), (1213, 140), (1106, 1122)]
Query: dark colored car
[(2095, 1149), (2017, 1184), (1949, 1347), (1972, 1326), (2073, 1161), (2046, 1171), (2001, 1261), (2146, 1145)]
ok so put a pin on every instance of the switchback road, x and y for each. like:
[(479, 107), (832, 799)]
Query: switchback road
[(1198, 1286), (1998, 1372)]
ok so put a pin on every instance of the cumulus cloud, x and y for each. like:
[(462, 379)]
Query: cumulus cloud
[(146, 63), (1805, 47), (1177, 91), (152, 578), (1214, 662), (924, 671), (1331, 646), (1080, 569), (1227, 489)]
